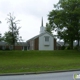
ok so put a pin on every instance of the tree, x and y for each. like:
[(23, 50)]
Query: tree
[(12, 36), (48, 28), (65, 18), (1, 35)]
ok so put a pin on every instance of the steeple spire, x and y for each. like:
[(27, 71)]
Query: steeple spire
[(42, 28), (42, 22)]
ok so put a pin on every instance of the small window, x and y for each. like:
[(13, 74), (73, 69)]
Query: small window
[(46, 38)]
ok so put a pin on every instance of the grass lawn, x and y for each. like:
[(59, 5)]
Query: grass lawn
[(35, 61)]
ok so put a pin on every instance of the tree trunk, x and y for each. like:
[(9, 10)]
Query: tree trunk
[(78, 44), (13, 46), (13, 42), (71, 44)]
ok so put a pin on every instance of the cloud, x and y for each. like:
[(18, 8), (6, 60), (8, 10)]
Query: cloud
[(33, 7), (29, 12)]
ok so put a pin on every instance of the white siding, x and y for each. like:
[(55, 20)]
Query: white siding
[(46, 45), (42, 29)]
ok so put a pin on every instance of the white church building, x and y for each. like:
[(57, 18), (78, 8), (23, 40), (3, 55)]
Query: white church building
[(43, 41)]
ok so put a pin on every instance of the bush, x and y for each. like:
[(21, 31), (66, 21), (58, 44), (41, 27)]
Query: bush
[(67, 48), (63, 47), (76, 47), (7, 48), (4, 48), (0, 47)]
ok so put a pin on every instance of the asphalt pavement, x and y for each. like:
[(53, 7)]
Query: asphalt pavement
[(46, 76)]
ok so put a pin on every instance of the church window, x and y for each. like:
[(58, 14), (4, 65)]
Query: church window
[(46, 38)]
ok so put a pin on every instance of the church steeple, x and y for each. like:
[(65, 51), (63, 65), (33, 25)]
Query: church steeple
[(42, 22), (42, 28)]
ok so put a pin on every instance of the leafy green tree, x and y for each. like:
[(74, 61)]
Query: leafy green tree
[(48, 28), (0, 38), (65, 18), (1, 35), (12, 36)]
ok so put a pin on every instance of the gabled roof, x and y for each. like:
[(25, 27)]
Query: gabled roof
[(40, 35), (3, 43)]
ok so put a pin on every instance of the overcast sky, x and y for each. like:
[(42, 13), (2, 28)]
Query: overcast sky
[(29, 12)]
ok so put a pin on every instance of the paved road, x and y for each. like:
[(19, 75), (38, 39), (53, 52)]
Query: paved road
[(50, 76)]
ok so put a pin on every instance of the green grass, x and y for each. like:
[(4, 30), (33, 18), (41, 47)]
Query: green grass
[(35, 61)]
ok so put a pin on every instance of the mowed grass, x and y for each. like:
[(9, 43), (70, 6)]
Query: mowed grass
[(36, 61)]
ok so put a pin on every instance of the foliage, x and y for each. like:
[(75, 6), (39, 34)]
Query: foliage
[(67, 48), (76, 47), (1, 38), (62, 47), (1, 35), (48, 28), (65, 19), (12, 36)]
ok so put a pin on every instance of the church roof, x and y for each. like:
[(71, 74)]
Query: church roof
[(40, 35)]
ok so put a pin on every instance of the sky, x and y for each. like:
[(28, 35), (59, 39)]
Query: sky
[(29, 12)]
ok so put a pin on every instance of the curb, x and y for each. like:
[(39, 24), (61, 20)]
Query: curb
[(31, 73)]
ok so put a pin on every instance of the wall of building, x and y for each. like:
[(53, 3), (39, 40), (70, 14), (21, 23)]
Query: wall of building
[(18, 47), (43, 45), (31, 45), (36, 44)]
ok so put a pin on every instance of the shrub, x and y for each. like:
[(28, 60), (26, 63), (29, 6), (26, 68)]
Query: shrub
[(76, 47), (63, 47), (67, 48)]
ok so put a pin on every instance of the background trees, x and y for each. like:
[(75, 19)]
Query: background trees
[(1, 35), (12, 36), (65, 19), (48, 28)]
